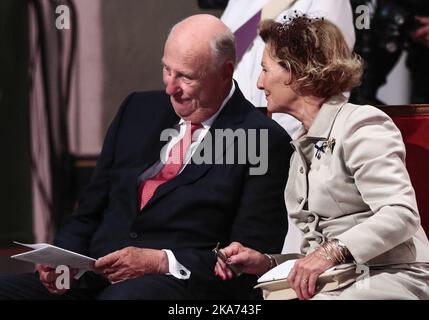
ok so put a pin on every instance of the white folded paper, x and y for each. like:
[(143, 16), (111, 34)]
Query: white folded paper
[(54, 256), (282, 271), (279, 272)]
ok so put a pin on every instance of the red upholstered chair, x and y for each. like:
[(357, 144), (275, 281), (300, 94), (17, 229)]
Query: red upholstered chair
[(413, 121)]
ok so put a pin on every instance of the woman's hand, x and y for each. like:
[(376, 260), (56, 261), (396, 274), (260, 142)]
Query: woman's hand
[(304, 274), (245, 259)]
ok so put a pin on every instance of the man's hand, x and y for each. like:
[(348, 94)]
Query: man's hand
[(132, 262), (48, 277), (422, 34)]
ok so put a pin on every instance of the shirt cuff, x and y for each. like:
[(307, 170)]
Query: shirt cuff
[(175, 268)]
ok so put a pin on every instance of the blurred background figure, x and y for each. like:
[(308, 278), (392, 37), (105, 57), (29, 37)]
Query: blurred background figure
[(243, 17), (396, 26)]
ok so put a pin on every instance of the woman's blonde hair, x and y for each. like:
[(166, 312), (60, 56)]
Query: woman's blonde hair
[(315, 53)]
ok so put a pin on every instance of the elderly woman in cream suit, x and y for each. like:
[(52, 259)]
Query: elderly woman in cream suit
[(348, 190)]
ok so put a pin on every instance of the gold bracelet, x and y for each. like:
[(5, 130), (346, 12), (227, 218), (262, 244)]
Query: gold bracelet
[(322, 252), (344, 251), (334, 251)]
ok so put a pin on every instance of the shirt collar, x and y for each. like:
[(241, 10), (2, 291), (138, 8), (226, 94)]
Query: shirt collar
[(208, 123)]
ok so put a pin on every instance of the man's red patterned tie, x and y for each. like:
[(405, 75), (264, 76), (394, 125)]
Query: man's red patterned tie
[(171, 169)]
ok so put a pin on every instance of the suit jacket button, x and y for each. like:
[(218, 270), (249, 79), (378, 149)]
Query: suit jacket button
[(182, 272), (134, 235), (300, 200), (301, 170)]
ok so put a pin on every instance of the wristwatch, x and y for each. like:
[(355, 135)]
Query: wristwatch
[(273, 262)]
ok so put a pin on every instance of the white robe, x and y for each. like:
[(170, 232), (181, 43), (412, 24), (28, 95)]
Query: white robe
[(249, 67)]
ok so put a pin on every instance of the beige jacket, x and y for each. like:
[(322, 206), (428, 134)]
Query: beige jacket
[(353, 186)]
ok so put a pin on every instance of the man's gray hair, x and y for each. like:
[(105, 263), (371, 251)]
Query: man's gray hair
[(223, 49), (222, 45)]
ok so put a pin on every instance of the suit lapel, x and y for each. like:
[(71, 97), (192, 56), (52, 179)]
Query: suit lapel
[(152, 149), (229, 118)]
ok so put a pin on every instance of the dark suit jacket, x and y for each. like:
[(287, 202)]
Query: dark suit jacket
[(205, 204)]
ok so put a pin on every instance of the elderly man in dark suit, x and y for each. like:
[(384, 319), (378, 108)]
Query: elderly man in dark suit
[(152, 221)]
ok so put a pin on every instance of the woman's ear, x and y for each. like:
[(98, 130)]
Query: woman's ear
[(287, 79)]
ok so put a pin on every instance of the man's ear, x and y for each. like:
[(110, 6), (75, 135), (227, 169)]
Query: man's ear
[(228, 70)]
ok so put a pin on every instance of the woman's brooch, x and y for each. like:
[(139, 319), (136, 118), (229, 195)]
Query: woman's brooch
[(321, 146), (331, 144)]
